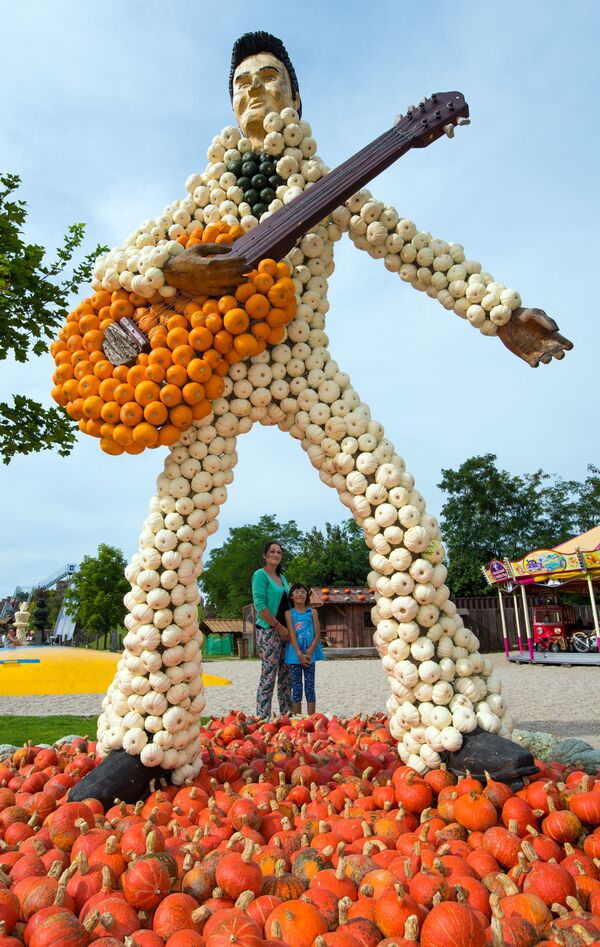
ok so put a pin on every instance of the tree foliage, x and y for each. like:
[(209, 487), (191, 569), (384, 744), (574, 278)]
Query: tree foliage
[(226, 580), (94, 597), (33, 304), (491, 513), (40, 616), (336, 555)]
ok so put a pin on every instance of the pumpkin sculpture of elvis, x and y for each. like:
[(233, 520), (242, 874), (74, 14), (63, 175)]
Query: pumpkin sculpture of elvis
[(444, 695)]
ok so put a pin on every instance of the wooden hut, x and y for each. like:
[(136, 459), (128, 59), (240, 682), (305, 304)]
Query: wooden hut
[(344, 615)]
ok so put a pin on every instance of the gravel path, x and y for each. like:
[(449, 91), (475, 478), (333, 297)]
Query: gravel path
[(563, 701)]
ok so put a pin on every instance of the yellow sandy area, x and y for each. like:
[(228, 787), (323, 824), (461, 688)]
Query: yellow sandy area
[(31, 671)]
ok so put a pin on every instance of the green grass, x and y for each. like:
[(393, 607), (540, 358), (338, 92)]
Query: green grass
[(18, 730)]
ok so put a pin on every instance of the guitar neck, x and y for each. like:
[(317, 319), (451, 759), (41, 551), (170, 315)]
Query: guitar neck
[(275, 237)]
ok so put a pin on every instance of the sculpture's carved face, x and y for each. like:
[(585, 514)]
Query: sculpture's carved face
[(261, 84)]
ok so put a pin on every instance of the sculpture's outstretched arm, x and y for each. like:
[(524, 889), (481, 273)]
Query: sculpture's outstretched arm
[(441, 270)]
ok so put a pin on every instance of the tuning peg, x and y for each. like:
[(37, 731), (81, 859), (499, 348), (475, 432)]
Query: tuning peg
[(464, 121), (449, 130)]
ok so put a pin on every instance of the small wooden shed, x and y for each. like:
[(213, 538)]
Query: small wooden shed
[(344, 615)]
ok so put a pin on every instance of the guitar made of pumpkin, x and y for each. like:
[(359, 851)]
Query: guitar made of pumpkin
[(136, 375)]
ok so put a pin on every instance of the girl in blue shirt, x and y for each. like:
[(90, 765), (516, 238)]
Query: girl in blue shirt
[(304, 647)]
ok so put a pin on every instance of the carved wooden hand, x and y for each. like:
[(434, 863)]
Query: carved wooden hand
[(534, 337), (206, 269)]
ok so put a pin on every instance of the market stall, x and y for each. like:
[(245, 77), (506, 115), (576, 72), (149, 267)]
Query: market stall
[(574, 565)]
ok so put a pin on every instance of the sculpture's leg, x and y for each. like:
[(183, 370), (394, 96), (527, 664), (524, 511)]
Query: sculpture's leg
[(445, 701), (152, 711)]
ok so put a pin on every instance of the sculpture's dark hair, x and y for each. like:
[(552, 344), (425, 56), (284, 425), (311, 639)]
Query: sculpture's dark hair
[(267, 546), (261, 42)]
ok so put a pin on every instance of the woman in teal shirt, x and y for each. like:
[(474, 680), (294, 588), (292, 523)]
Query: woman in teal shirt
[(270, 595)]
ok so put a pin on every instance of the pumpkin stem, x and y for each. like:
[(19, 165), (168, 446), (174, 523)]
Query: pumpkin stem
[(461, 894), (106, 878), (367, 890), (583, 935), (529, 852), (279, 868), (399, 889), (188, 862), (235, 838), (92, 919), (82, 825), (497, 911), (507, 884), (248, 850), (575, 906), (560, 909), (366, 829), (56, 869), (411, 928), (531, 830), (496, 929), (579, 866), (59, 897), (513, 826), (340, 871), (437, 899), (200, 914), (244, 900), (343, 905)]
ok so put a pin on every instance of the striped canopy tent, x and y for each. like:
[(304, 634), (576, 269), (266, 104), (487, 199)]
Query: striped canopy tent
[(574, 563)]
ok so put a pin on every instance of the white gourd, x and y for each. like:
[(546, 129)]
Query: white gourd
[(422, 649), (442, 693), (430, 757), (422, 691), (433, 737), (451, 739), (151, 755), (404, 608), (429, 672), (134, 741)]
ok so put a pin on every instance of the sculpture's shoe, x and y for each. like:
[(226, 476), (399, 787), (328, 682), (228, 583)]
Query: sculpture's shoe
[(119, 776), (484, 754)]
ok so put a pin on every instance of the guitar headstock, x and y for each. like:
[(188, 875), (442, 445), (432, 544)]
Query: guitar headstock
[(433, 117)]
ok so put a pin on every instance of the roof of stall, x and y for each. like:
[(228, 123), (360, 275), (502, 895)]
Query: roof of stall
[(569, 562)]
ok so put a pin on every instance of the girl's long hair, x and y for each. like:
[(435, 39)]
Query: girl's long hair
[(267, 546)]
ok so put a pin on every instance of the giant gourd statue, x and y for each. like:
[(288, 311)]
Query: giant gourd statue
[(194, 333)]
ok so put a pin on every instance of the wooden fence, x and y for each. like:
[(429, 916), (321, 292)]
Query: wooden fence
[(482, 616)]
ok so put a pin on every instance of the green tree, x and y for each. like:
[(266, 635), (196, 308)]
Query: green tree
[(40, 617), (491, 513), (95, 594), (337, 556), (33, 304), (226, 580), (589, 500)]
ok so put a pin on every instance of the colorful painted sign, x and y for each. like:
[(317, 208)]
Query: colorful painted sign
[(543, 560), (498, 571)]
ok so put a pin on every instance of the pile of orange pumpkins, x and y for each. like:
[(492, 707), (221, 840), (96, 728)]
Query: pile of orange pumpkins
[(298, 832)]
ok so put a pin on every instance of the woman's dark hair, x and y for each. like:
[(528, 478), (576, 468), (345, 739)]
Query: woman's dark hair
[(267, 546), (261, 42), (298, 585)]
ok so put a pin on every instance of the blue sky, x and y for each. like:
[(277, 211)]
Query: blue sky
[(112, 105)]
